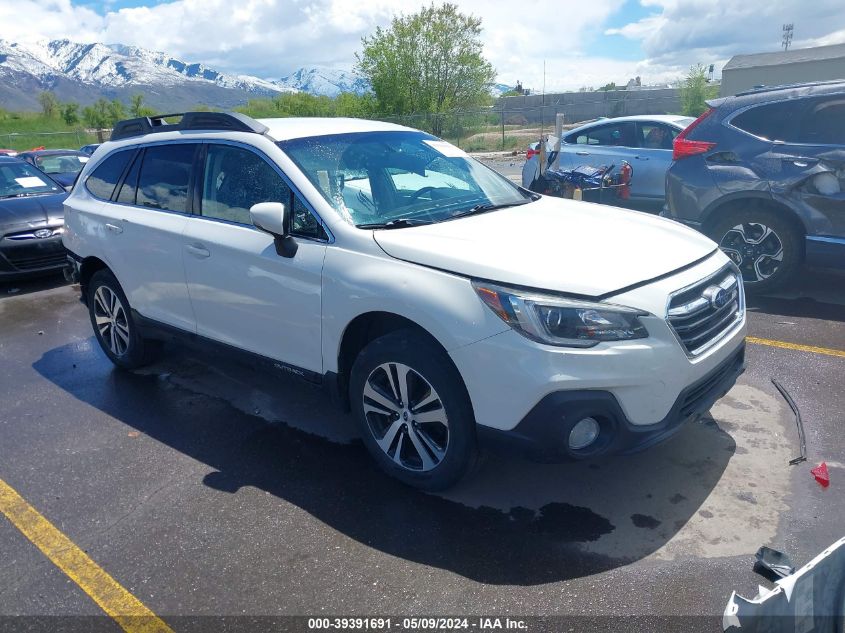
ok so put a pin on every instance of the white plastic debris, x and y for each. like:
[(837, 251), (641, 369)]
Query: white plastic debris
[(826, 184)]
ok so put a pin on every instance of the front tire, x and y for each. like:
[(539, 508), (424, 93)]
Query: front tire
[(766, 247), (115, 329), (413, 411)]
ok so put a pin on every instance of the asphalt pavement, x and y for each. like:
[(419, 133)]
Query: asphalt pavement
[(206, 489)]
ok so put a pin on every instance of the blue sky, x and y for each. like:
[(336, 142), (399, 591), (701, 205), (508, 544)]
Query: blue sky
[(617, 46), (582, 43)]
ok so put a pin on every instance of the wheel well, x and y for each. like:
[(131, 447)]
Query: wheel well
[(89, 266), (362, 330), (744, 203)]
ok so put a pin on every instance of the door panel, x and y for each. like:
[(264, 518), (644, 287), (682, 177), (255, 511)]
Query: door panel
[(605, 144), (145, 234), (651, 161), (246, 295), (243, 292)]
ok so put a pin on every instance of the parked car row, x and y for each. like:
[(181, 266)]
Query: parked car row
[(33, 186), (762, 173)]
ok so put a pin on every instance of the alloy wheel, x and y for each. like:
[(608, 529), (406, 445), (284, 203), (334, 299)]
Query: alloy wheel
[(110, 317), (755, 248), (406, 417)]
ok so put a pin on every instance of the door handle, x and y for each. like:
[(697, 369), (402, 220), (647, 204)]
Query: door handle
[(114, 228), (582, 153), (801, 162), (198, 250), (641, 157)]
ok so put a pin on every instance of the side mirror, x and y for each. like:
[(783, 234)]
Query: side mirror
[(272, 218)]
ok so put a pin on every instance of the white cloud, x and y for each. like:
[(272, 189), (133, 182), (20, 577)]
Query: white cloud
[(28, 20), (270, 38), (692, 31)]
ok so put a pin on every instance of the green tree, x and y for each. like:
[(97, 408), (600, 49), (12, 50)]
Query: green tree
[(137, 107), (70, 113), (116, 111), (49, 104), (695, 90), (97, 114), (607, 87), (428, 62)]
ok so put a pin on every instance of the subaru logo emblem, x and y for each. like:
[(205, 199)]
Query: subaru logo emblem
[(42, 233), (717, 296)]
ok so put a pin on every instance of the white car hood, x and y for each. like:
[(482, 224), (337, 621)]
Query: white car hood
[(553, 244)]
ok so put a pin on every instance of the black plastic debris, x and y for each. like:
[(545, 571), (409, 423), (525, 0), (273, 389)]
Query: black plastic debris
[(772, 564), (802, 456)]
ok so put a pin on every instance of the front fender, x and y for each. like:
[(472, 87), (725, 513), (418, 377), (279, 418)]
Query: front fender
[(443, 304)]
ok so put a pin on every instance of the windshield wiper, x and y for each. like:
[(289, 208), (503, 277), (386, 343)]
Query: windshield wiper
[(23, 195), (484, 208), (399, 223)]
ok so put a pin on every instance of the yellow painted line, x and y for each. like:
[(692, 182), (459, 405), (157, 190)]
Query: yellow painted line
[(796, 347), (122, 606)]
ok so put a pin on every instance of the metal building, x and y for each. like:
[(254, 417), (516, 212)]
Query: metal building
[(821, 63)]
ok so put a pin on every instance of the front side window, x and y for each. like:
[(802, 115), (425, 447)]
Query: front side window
[(19, 180), (165, 176), (103, 180), (373, 178), (770, 121), (235, 179)]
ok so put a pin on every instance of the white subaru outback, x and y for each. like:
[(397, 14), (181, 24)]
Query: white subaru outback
[(446, 306)]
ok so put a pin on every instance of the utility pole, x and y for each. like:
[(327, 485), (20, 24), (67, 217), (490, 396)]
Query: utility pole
[(543, 105), (787, 35)]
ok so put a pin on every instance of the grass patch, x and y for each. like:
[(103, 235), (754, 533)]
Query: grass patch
[(25, 130)]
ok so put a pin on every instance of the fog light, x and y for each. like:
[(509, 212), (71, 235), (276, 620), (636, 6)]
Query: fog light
[(583, 433)]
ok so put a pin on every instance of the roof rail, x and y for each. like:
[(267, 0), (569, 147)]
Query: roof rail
[(772, 88), (228, 121)]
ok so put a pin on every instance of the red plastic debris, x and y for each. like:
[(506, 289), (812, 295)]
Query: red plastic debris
[(821, 474)]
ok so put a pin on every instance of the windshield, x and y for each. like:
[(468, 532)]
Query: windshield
[(376, 178), (61, 163), (18, 179)]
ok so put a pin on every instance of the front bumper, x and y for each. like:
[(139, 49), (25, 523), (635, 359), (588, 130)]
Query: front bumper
[(31, 257), (542, 435)]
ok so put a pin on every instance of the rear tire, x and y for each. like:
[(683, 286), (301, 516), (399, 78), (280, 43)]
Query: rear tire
[(413, 411), (115, 329), (766, 247)]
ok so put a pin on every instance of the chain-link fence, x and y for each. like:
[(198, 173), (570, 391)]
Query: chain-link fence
[(511, 124), (21, 141)]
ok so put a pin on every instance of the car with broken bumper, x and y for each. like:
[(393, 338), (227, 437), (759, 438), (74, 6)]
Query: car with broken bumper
[(445, 306), (763, 174)]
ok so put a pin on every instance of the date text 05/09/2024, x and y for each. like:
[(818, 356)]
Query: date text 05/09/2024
[(482, 624)]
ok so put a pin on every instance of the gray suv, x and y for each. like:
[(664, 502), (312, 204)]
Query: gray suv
[(763, 174)]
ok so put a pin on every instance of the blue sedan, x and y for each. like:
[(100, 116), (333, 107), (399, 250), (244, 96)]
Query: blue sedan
[(645, 141)]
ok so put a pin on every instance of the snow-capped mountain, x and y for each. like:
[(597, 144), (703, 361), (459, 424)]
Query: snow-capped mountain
[(85, 72), (321, 80)]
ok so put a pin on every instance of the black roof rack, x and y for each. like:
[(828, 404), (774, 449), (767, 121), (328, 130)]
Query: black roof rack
[(228, 121), (775, 87)]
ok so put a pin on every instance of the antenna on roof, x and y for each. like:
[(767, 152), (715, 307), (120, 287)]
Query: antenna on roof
[(787, 35)]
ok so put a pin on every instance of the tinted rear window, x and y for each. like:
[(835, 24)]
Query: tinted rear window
[(771, 121), (164, 178), (102, 182), (616, 134), (823, 122)]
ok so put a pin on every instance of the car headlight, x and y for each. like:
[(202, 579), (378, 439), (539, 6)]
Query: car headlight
[(558, 321)]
